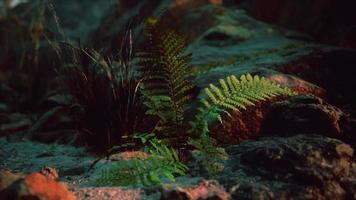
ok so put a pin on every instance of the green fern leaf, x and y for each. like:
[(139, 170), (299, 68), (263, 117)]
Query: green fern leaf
[(161, 164), (165, 71), (234, 94), (239, 93)]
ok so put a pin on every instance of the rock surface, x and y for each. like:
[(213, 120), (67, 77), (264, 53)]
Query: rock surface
[(297, 167), (306, 167), (328, 21), (308, 115), (33, 186), (300, 166)]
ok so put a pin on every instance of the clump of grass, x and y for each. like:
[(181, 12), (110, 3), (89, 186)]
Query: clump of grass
[(106, 93)]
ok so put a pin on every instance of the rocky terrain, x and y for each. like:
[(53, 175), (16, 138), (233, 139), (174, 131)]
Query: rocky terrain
[(300, 147)]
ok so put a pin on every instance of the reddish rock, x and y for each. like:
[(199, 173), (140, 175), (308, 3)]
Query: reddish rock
[(36, 186), (247, 123), (297, 84), (107, 193), (46, 188), (242, 125), (205, 190), (129, 155)]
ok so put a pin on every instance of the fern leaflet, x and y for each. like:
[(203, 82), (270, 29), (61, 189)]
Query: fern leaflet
[(234, 94), (162, 163), (165, 70)]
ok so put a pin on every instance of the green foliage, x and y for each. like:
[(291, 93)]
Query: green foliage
[(234, 95), (165, 69), (167, 87), (211, 155), (162, 163)]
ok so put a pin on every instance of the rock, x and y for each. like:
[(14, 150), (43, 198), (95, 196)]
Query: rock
[(106, 193), (8, 96), (247, 124), (3, 108), (328, 21), (29, 156), (297, 84), (7, 178), (208, 190), (178, 14), (75, 171), (308, 115), (14, 123), (241, 126), (75, 23), (298, 167), (36, 186), (49, 172), (128, 155), (325, 68), (204, 165)]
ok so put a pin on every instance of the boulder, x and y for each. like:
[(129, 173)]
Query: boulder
[(247, 124), (298, 167), (330, 68), (106, 193), (205, 190), (36, 186), (328, 21), (308, 115)]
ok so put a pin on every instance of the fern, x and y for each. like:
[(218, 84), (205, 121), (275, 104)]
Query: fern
[(212, 156), (234, 95), (165, 70), (162, 163)]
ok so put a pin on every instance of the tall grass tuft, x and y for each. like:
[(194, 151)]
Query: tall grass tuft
[(106, 93)]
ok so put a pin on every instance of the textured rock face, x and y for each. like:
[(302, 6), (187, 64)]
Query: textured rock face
[(308, 115), (33, 186), (205, 190), (332, 70), (299, 167), (329, 21)]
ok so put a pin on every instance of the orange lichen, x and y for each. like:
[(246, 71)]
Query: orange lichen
[(46, 188)]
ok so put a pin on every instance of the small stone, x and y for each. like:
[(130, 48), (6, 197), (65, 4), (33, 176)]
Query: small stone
[(49, 172)]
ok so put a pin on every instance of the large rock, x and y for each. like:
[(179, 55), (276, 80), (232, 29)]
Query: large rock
[(332, 69), (205, 190), (73, 22), (129, 17), (247, 124), (308, 115), (298, 167), (328, 21), (36, 186)]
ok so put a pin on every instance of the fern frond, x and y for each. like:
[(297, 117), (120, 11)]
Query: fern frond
[(161, 164), (234, 94), (212, 156), (165, 71)]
